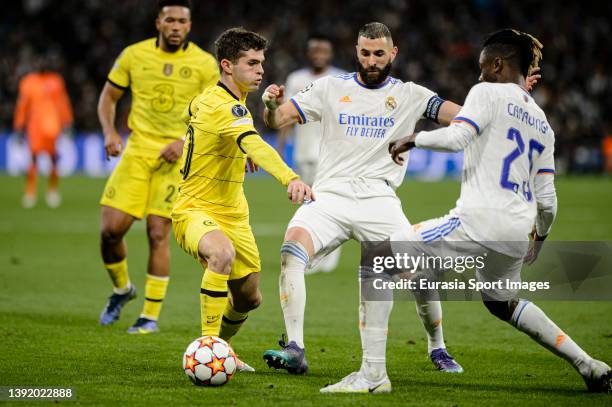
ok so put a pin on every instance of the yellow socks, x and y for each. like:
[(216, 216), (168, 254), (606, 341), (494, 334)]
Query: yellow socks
[(118, 273), (231, 322), (155, 292), (213, 300)]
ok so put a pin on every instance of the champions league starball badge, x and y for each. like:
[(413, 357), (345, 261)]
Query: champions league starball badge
[(239, 111)]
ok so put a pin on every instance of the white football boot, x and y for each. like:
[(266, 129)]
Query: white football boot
[(357, 383)]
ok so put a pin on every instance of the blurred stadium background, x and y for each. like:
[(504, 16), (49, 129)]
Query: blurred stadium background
[(439, 44)]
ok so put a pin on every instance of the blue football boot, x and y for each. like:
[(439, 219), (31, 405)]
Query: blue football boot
[(291, 358), (444, 362), (112, 309)]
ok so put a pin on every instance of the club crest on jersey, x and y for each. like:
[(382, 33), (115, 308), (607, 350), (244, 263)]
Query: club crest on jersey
[(185, 72), (390, 103), (239, 111), (167, 69)]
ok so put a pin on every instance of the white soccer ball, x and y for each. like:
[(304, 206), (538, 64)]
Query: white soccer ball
[(209, 361)]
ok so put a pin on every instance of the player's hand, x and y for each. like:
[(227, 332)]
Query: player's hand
[(113, 144), (533, 78), (298, 192), (535, 245), (172, 151), (250, 166), (273, 96), (400, 146)]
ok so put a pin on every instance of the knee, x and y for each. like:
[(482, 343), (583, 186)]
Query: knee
[(301, 236), (158, 235), (501, 309), (221, 259), (110, 233), (248, 303)]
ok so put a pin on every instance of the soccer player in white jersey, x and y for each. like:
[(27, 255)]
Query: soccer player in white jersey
[(507, 192), (306, 138), (360, 114)]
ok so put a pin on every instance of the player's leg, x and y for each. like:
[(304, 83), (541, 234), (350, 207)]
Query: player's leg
[(113, 227), (29, 195), (315, 230), (217, 256), (124, 200), (202, 238), (245, 297), (296, 251), (244, 280), (308, 171), (158, 274), (161, 196), (53, 196), (427, 306), (530, 319)]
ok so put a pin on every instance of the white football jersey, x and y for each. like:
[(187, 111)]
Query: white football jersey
[(514, 144), (358, 123), (306, 137)]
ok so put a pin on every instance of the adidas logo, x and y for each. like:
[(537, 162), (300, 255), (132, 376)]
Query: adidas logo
[(345, 99)]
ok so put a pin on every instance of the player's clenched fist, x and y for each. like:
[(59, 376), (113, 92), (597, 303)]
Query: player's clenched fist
[(113, 144), (400, 146), (298, 192), (273, 96)]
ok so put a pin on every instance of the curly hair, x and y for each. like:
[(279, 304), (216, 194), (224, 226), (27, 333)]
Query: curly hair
[(520, 48)]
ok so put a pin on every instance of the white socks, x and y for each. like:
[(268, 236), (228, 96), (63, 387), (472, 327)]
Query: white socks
[(294, 260), (373, 323), (528, 318), (431, 317)]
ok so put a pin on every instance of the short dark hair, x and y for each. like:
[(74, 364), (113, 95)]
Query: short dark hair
[(165, 3), (522, 50), (233, 42), (374, 30)]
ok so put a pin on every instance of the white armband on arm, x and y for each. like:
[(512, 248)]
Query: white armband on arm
[(455, 137), (546, 198)]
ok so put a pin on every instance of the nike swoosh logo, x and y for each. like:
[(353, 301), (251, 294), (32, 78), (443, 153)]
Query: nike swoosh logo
[(373, 389)]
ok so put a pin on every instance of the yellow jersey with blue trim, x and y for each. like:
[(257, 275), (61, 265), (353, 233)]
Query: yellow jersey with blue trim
[(162, 84), (219, 137)]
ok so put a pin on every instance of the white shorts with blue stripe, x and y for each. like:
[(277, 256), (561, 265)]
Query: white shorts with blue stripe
[(359, 209), (446, 236)]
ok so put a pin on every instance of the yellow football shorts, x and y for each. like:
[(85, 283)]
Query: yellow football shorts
[(142, 186), (189, 227)]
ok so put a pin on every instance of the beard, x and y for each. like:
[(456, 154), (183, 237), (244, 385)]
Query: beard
[(172, 47), (373, 76)]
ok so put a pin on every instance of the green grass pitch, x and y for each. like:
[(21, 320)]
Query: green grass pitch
[(53, 287)]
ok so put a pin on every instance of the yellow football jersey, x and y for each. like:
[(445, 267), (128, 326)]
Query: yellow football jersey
[(162, 84), (219, 137)]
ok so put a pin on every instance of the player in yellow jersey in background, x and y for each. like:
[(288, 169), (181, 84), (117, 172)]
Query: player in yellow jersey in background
[(211, 215), (163, 74)]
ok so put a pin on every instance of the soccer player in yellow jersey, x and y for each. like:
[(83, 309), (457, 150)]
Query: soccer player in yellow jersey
[(211, 215), (163, 74)]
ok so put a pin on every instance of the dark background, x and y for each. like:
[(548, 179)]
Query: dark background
[(439, 44)]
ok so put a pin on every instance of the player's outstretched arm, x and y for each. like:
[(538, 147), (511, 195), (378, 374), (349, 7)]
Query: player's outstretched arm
[(278, 114), (107, 105), (267, 158), (448, 111)]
